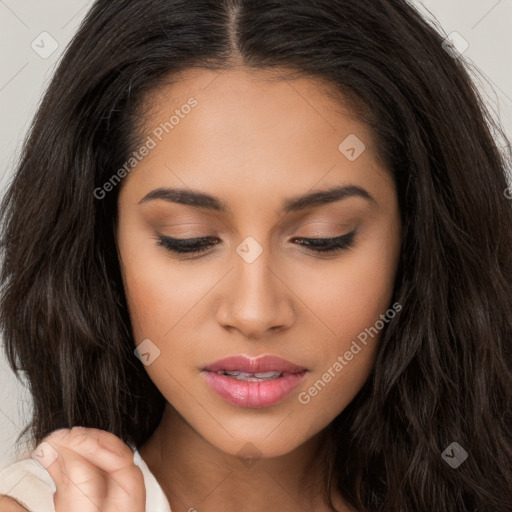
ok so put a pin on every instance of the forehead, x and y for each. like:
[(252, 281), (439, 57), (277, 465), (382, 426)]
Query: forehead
[(253, 131)]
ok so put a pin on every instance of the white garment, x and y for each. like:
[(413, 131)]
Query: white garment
[(32, 486)]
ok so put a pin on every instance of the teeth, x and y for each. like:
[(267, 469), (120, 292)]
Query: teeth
[(267, 375), (251, 377)]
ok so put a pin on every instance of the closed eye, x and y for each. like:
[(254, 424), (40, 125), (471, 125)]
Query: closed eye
[(336, 244), (199, 245)]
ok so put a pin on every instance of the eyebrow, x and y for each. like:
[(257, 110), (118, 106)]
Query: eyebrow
[(294, 204)]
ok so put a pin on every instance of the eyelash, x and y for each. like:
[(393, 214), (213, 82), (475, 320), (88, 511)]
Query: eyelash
[(198, 245)]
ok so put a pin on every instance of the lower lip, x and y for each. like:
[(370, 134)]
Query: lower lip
[(253, 394)]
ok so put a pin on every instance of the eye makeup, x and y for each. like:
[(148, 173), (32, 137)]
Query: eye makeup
[(199, 245)]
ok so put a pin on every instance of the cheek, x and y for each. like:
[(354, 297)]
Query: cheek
[(349, 294), (351, 302), (159, 291)]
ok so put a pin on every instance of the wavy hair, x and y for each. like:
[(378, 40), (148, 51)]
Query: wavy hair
[(443, 371)]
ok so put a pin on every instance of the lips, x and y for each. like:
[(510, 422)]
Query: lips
[(262, 364), (254, 383)]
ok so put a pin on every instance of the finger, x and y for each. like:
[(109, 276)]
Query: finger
[(92, 468), (100, 448)]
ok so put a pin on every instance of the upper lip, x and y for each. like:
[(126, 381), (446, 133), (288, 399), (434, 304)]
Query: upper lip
[(251, 365)]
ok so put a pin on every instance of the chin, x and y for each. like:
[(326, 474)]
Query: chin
[(267, 440)]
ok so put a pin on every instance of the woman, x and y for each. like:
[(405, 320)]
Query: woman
[(261, 254)]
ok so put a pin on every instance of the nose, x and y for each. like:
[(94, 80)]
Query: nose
[(256, 298)]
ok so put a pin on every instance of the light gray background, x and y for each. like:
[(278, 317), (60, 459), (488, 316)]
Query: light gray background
[(24, 75)]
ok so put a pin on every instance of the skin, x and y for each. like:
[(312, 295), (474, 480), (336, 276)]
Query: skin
[(253, 142), (10, 505)]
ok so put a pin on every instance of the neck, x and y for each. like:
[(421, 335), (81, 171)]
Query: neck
[(196, 475)]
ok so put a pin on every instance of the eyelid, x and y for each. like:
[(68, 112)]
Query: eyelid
[(201, 245), (320, 227)]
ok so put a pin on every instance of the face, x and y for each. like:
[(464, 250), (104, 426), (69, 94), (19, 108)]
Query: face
[(263, 280)]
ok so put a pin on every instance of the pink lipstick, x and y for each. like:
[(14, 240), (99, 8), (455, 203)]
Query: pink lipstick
[(254, 383)]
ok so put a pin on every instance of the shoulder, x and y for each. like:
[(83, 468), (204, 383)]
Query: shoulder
[(28, 483)]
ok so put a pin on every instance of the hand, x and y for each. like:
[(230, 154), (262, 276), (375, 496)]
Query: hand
[(94, 470)]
